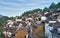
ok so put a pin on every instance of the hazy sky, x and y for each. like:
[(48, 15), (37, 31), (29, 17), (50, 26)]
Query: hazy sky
[(17, 7)]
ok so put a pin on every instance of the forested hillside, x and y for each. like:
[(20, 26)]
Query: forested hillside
[(53, 6)]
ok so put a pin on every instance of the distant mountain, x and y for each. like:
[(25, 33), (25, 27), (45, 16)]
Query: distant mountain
[(1, 16)]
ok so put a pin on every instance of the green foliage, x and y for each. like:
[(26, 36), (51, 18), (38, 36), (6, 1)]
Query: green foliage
[(1, 35), (31, 12), (45, 9), (52, 6), (58, 5)]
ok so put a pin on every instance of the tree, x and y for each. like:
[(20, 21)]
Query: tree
[(31, 12), (58, 5), (36, 10), (52, 6), (3, 19), (45, 9)]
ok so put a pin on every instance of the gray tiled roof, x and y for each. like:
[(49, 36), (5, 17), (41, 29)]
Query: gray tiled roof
[(57, 24)]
